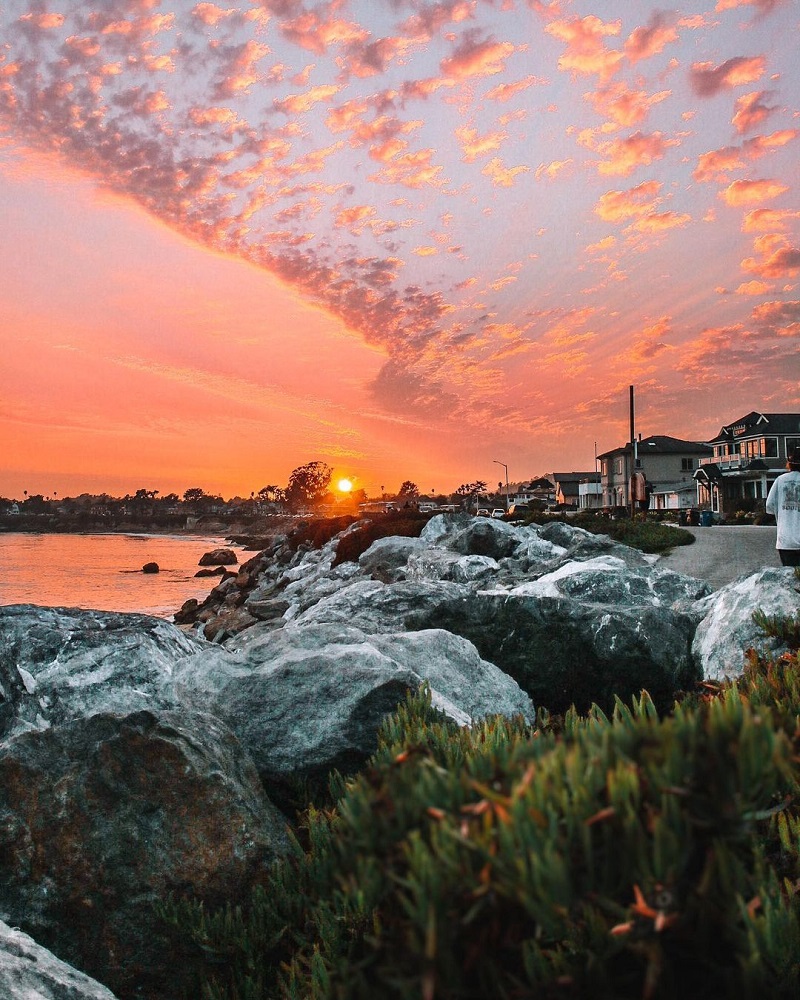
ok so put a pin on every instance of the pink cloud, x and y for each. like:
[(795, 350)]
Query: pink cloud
[(210, 14), (238, 70), (552, 170), (586, 51), (767, 220), (753, 288), (617, 206), (475, 57), (500, 175), (623, 105), (431, 18), (643, 43), (315, 30), (43, 20), (659, 222), (707, 79), (782, 319), (718, 163), (764, 6), (623, 156), (505, 91), (751, 111), (748, 192), (777, 257), (298, 104), (412, 170), (474, 145)]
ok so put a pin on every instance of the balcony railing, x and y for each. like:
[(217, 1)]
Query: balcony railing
[(726, 461)]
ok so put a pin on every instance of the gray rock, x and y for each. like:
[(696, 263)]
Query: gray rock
[(562, 651), (486, 537), (607, 579), (441, 564), (30, 972), (58, 664), (378, 607), (218, 557), (727, 628), (386, 558), (309, 698), (102, 818)]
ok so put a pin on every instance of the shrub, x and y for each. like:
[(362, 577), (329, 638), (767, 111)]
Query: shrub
[(629, 856)]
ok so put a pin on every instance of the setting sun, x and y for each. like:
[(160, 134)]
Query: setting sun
[(344, 485)]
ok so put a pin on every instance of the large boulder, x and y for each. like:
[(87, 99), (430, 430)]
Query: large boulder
[(562, 651), (608, 579), (727, 629), (374, 606), (30, 972), (386, 558), (485, 537), (305, 699), (442, 564), (58, 664), (102, 818), (218, 557)]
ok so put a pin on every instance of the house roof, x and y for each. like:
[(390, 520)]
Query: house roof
[(759, 423), (573, 477), (661, 444)]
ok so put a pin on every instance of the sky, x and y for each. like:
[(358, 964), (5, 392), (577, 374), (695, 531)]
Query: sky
[(433, 241)]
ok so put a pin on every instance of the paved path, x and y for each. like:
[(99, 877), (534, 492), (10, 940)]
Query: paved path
[(720, 554)]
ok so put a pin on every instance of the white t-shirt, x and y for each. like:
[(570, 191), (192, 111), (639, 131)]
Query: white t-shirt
[(783, 501)]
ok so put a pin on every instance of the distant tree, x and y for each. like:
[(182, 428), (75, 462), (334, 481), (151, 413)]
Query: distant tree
[(408, 491), (471, 491), (35, 503), (308, 485), (193, 495), (272, 494)]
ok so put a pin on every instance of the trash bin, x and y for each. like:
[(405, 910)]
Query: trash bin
[(706, 518), (693, 517)]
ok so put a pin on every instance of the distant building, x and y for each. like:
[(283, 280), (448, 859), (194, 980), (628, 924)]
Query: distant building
[(664, 465), (748, 455), (567, 486)]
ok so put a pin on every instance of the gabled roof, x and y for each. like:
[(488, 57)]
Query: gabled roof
[(661, 444), (759, 423), (573, 477)]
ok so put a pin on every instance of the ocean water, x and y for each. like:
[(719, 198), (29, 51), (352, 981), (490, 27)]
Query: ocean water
[(104, 572)]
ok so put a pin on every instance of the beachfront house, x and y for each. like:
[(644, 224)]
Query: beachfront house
[(660, 468), (748, 455)]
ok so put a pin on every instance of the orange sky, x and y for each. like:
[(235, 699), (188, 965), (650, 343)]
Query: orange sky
[(407, 240)]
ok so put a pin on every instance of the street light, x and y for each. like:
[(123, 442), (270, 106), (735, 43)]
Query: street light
[(506, 468)]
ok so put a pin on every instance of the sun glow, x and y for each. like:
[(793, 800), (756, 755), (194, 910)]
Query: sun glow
[(344, 485)]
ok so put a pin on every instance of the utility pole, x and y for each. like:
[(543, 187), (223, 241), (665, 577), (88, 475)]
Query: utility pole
[(633, 457), (506, 468)]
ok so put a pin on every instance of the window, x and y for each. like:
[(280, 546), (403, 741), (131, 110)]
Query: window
[(769, 447), (792, 444), (604, 467), (687, 464), (617, 466)]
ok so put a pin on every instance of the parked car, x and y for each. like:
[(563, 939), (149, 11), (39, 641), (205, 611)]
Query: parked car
[(482, 512), (499, 512), (519, 510)]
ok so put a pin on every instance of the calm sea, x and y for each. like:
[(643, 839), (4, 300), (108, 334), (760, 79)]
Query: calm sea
[(104, 572)]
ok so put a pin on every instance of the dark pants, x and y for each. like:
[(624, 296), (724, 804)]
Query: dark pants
[(789, 557)]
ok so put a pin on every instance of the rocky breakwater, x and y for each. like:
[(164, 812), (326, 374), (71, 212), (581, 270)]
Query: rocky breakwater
[(139, 759)]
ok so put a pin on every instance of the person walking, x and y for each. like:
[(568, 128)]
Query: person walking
[(783, 500)]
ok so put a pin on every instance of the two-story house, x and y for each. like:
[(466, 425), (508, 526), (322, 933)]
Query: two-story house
[(665, 464), (568, 487), (748, 455)]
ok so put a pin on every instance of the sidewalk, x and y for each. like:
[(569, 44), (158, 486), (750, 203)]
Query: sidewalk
[(720, 553)]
